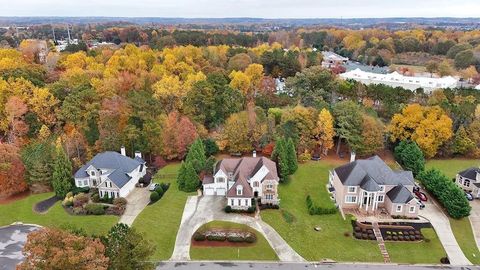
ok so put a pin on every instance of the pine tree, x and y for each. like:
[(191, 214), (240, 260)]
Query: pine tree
[(191, 178), (196, 155), (62, 173), (41, 172), (279, 154), (181, 176), (291, 156)]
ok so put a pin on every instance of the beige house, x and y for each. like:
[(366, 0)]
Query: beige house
[(469, 180), (370, 186)]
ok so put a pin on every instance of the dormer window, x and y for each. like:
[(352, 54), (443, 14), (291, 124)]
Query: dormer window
[(230, 175), (239, 190), (255, 184), (92, 173)]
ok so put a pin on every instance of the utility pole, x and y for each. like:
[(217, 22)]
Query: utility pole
[(68, 31), (53, 31)]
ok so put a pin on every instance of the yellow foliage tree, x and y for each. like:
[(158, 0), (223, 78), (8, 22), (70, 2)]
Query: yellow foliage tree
[(325, 130)]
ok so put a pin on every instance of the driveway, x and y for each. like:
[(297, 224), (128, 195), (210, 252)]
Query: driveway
[(475, 220), (137, 200), (12, 240), (201, 210), (441, 224)]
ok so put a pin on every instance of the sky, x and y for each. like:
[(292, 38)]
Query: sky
[(243, 8)]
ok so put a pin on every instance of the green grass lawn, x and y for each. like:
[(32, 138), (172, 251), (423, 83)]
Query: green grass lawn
[(56, 216), (330, 242), (160, 221), (260, 251), (423, 252), (464, 235), (450, 167)]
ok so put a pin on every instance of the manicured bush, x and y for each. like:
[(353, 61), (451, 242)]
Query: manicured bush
[(251, 209), (251, 238), (214, 237), (95, 209), (395, 238), (228, 209), (67, 202), (197, 236), (80, 200), (79, 211), (115, 210), (447, 192), (106, 199), (95, 197), (154, 196), (318, 210), (235, 239), (412, 237), (78, 190), (358, 235), (120, 202), (159, 190), (372, 237), (165, 186)]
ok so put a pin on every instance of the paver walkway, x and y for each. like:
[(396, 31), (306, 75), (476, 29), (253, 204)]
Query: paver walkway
[(441, 224), (201, 210), (381, 243), (137, 200), (475, 220)]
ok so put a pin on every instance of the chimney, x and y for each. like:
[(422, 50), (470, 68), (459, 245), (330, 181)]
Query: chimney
[(254, 153), (138, 154), (122, 151), (352, 156)]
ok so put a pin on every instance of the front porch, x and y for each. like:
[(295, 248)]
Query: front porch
[(362, 215)]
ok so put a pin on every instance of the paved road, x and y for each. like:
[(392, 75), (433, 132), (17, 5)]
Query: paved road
[(201, 210), (294, 266), (441, 224), (12, 240), (475, 220), (137, 200)]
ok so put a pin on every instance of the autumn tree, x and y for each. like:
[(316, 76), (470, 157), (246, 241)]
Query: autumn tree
[(178, 133), (11, 171), (15, 109), (429, 127), (372, 136), (325, 131), (235, 133), (54, 249), (462, 144)]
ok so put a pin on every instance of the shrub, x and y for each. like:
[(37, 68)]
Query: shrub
[(372, 237), (154, 196), (78, 190), (115, 210), (165, 186), (214, 237), (288, 217), (199, 236), (95, 209), (358, 235), (395, 238), (318, 210), (106, 199), (235, 239), (251, 209), (357, 229), (69, 195), (447, 192), (389, 237), (80, 200), (251, 238), (67, 202), (159, 190), (412, 237), (79, 211), (120, 202), (95, 197), (401, 238), (228, 209)]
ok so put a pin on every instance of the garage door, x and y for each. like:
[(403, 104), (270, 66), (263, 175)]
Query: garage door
[(221, 191), (208, 191)]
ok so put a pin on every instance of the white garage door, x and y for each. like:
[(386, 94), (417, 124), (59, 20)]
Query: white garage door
[(221, 191), (208, 191)]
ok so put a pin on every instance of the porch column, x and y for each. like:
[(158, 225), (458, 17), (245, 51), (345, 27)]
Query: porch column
[(374, 205), (368, 201)]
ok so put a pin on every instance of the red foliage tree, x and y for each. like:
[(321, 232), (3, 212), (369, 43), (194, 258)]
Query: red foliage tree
[(179, 132), (12, 171)]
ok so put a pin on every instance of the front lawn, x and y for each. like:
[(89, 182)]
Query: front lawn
[(330, 242), (22, 211), (160, 221), (462, 230), (450, 167), (259, 251), (427, 251)]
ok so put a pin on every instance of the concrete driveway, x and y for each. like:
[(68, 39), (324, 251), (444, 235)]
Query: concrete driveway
[(441, 224), (475, 220), (12, 240), (201, 210), (137, 200)]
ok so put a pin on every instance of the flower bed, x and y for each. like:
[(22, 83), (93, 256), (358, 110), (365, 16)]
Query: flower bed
[(396, 231), (88, 204)]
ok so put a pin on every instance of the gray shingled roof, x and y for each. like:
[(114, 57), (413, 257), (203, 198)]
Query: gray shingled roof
[(354, 173), (400, 194), (119, 164), (368, 184), (470, 173)]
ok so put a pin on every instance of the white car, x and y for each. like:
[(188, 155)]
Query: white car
[(153, 186)]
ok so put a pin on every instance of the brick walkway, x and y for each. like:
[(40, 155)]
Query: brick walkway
[(381, 243)]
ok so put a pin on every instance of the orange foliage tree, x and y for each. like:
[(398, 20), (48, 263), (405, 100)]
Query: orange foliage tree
[(11, 171), (178, 134)]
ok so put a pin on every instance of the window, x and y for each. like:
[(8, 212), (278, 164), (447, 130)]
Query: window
[(231, 201), (380, 198), (466, 183), (411, 209), (239, 190), (399, 208), (92, 173), (255, 184), (352, 189), (350, 199), (85, 183), (460, 181), (220, 180), (269, 196), (269, 186), (79, 183), (382, 188), (141, 168)]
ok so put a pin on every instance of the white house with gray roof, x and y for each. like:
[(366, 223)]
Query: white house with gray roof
[(370, 186), (113, 173), (469, 180)]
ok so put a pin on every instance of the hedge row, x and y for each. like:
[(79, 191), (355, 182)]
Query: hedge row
[(319, 210), (447, 192), (233, 238)]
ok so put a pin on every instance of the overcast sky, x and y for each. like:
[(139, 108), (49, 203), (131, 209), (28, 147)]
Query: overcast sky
[(243, 8)]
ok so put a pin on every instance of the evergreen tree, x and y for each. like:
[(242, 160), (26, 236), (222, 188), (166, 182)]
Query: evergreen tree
[(181, 176), (191, 178), (196, 156), (291, 156), (41, 172), (279, 154), (62, 173), (409, 155)]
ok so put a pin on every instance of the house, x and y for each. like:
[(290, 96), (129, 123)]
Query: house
[(331, 59), (469, 180), (370, 186), (477, 87), (113, 173), (241, 180), (395, 79)]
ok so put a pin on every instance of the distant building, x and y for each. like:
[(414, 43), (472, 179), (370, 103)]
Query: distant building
[(331, 59), (477, 87), (397, 80)]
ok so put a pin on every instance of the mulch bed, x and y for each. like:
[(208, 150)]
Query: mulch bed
[(43, 206), (225, 243)]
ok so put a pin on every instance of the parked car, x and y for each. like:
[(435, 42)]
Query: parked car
[(421, 205), (469, 196), (153, 186), (421, 196)]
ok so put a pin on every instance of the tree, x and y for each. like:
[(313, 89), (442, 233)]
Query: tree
[(464, 59), (462, 144), (280, 155), (191, 178), (11, 171), (409, 155), (127, 249), (182, 176), (196, 155), (372, 136), (445, 68), (348, 117), (325, 131), (178, 133), (54, 249), (235, 135), (211, 147), (62, 173), (432, 67), (429, 127), (291, 153)]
